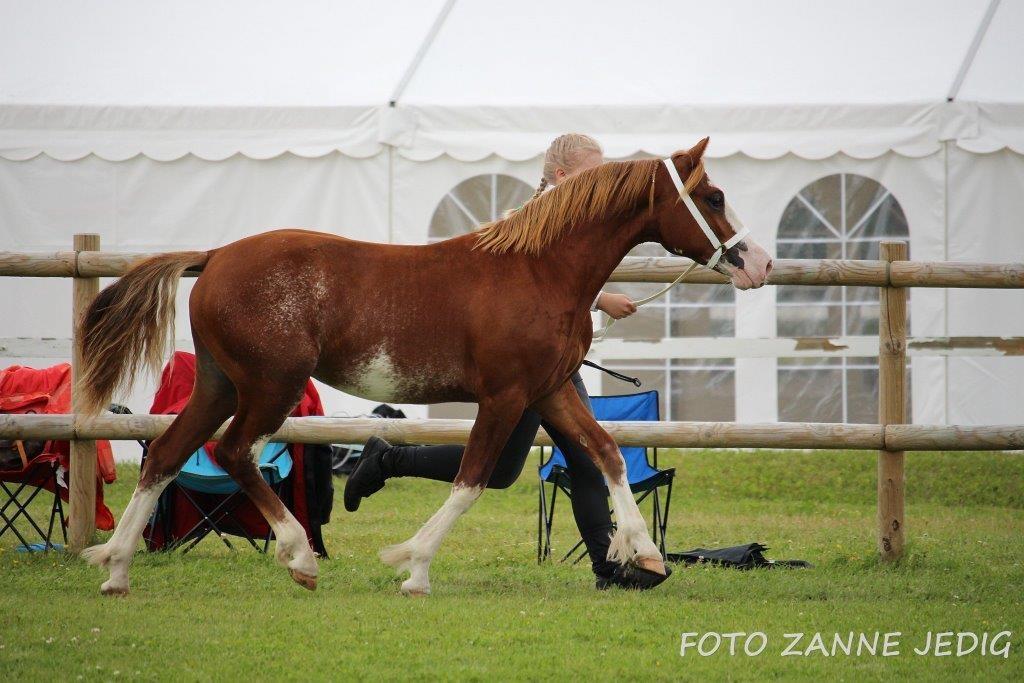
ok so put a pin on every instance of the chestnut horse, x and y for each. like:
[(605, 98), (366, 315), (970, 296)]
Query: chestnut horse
[(500, 317)]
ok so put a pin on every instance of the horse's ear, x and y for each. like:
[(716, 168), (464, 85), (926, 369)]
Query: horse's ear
[(697, 151)]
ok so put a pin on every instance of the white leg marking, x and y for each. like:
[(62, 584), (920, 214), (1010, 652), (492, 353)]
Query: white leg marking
[(631, 539), (116, 554), (293, 549), (416, 554)]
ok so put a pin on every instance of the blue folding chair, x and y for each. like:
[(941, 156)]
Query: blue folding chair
[(645, 479), (200, 474)]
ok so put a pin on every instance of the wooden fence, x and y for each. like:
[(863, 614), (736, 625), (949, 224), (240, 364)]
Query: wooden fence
[(891, 437)]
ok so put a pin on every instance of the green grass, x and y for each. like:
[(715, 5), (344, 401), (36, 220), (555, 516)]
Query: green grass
[(215, 615)]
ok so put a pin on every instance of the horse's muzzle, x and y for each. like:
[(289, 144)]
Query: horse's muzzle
[(747, 264)]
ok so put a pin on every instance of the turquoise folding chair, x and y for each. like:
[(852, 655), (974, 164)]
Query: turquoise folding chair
[(200, 474), (645, 479)]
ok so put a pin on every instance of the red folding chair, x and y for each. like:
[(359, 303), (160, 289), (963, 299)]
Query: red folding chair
[(37, 470)]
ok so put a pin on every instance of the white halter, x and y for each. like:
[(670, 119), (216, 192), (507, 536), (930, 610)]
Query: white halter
[(720, 248)]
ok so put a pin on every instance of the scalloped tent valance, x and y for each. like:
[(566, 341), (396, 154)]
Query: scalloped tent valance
[(808, 131), (68, 133), (422, 133)]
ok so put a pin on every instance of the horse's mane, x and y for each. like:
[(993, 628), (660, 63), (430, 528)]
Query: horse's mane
[(609, 189)]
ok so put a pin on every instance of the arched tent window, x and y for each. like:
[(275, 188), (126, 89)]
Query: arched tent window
[(841, 216), (476, 200)]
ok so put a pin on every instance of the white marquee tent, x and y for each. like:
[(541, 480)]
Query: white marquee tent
[(833, 125)]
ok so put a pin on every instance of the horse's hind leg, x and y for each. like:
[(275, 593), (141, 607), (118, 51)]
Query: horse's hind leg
[(494, 423), (261, 411), (564, 410), (212, 402)]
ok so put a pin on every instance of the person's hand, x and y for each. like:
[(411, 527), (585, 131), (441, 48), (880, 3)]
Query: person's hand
[(618, 306)]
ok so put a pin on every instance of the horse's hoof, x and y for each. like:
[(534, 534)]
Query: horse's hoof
[(305, 580), (115, 591), (414, 590), (651, 564)]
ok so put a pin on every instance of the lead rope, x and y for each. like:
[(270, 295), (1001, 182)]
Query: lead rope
[(600, 333), (617, 375)]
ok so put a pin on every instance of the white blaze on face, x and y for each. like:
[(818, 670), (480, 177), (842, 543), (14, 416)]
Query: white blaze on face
[(757, 264)]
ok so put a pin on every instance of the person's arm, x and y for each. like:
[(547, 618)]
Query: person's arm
[(617, 306)]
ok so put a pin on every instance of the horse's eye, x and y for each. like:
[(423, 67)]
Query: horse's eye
[(717, 201)]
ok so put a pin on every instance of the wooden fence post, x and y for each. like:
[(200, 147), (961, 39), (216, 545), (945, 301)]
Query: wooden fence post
[(892, 402), (82, 483)]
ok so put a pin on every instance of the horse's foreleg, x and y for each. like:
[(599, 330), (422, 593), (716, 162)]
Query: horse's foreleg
[(564, 410), (494, 424)]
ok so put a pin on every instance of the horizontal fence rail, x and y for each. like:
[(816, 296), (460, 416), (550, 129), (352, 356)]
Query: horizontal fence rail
[(632, 269), (837, 272), (778, 435)]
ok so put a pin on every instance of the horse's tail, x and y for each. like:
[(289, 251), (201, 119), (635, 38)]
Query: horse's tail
[(128, 327)]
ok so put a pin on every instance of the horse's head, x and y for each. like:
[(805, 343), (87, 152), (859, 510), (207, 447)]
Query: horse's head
[(696, 221)]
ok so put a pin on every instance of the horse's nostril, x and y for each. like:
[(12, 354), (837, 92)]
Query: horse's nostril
[(768, 268)]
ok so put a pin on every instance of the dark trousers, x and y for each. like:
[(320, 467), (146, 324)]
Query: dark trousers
[(589, 494)]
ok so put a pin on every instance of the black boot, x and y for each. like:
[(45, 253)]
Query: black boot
[(632, 576), (369, 475), (597, 542)]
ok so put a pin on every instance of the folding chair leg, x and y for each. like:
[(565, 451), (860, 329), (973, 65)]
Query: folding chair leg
[(550, 521), (664, 518), (231, 503), (541, 507), (49, 528), (201, 528), (213, 519), (60, 516), (656, 519), (216, 532), (14, 530), (12, 499), (56, 514), (572, 550), (21, 510), (3, 510), (9, 521)]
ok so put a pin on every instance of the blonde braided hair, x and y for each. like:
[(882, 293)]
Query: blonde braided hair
[(540, 189)]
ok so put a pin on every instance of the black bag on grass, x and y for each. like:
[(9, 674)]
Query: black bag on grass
[(746, 556)]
